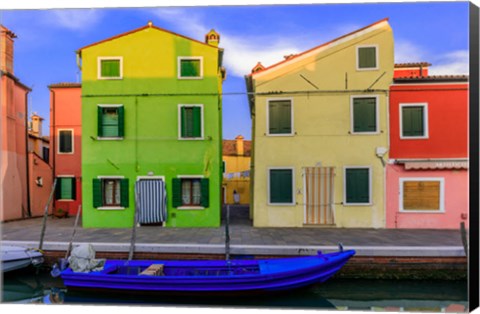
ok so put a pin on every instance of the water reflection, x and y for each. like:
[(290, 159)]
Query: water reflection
[(342, 294)]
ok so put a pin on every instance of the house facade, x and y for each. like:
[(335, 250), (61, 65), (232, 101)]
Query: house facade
[(39, 170), (236, 175), (14, 195), (427, 176), (320, 133), (151, 130), (66, 146)]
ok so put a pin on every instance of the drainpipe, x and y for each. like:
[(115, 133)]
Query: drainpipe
[(29, 210), (54, 141)]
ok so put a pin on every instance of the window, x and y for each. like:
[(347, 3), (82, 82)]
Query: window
[(110, 68), (111, 121), (190, 192), (191, 121), (421, 194), (367, 58), (280, 182), (190, 67), (364, 115), (65, 141), (110, 192), (357, 186), (413, 121), (65, 188), (279, 117)]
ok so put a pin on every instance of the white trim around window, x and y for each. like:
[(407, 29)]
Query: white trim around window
[(425, 120), (99, 68), (376, 58), (292, 169), (292, 128), (377, 115), (179, 117), (370, 202), (190, 176), (440, 210), (110, 207), (109, 138), (179, 68), (72, 142)]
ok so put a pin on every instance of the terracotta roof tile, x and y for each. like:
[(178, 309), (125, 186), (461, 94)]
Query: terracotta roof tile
[(412, 65), (64, 84), (230, 148), (432, 78)]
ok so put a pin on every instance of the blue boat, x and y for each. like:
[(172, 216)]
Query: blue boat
[(212, 277)]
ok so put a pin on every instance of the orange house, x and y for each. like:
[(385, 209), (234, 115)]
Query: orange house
[(65, 146), (14, 195)]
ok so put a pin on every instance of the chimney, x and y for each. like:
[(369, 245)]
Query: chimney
[(212, 38), (37, 125), (6, 49), (239, 145)]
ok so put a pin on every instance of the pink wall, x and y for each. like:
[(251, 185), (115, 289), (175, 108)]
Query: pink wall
[(39, 194), (456, 200), (66, 113)]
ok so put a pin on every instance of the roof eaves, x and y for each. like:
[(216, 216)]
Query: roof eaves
[(296, 56)]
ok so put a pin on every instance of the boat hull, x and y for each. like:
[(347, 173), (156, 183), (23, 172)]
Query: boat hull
[(210, 277), (15, 257)]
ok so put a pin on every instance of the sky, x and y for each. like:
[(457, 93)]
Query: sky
[(435, 32)]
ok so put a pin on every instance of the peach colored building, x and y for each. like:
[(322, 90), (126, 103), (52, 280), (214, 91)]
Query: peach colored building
[(39, 170), (65, 145), (14, 195)]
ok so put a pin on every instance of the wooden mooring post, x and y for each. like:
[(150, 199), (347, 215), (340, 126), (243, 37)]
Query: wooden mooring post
[(45, 214)]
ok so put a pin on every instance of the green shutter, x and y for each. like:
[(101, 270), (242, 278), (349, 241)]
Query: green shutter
[(197, 122), (412, 121), (364, 115), (121, 121), (281, 188), (205, 198), (176, 192), (280, 117), (357, 186), (110, 68), (97, 193), (190, 68), (100, 121), (58, 189), (367, 57), (124, 192), (74, 189)]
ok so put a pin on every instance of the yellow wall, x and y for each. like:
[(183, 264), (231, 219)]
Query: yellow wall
[(321, 126), (235, 164)]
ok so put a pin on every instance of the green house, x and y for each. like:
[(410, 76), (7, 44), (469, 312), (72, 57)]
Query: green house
[(151, 124)]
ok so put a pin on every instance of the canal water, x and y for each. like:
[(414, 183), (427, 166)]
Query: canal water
[(341, 294)]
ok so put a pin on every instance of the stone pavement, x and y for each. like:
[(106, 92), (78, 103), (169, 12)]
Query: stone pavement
[(244, 239)]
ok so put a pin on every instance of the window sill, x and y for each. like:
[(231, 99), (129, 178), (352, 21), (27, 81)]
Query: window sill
[(433, 211), (282, 204), (368, 69), (110, 138), (280, 134), (191, 138), (190, 78), (65, 153), (413, 137), (111, 208), (110, 78), (66, 200), (357, 204), (191, 208)]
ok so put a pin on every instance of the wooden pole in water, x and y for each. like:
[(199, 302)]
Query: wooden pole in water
[(464, 237), (73, 233), (134, 234), (45, 214), (227, 234)]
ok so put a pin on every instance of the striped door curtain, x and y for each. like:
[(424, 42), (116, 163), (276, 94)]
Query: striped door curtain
[(151, 201), (319, 195)]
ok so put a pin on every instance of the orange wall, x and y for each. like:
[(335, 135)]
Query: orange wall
[(66, 113), (13, 173), (447, 121), (39, 194)]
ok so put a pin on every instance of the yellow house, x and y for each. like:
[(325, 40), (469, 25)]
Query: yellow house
[(236, 175), (320, 133)]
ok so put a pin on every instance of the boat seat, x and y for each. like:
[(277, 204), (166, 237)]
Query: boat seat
[(153, 270)]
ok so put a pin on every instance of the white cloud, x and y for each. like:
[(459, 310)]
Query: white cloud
[(406, 52), (453, 63), (74, 19), (184, 21)]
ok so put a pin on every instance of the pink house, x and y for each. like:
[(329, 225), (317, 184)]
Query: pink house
[(14, 195), (427, 174), (65, 145)]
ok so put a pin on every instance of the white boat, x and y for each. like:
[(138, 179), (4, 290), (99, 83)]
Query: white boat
[(17, 257)]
